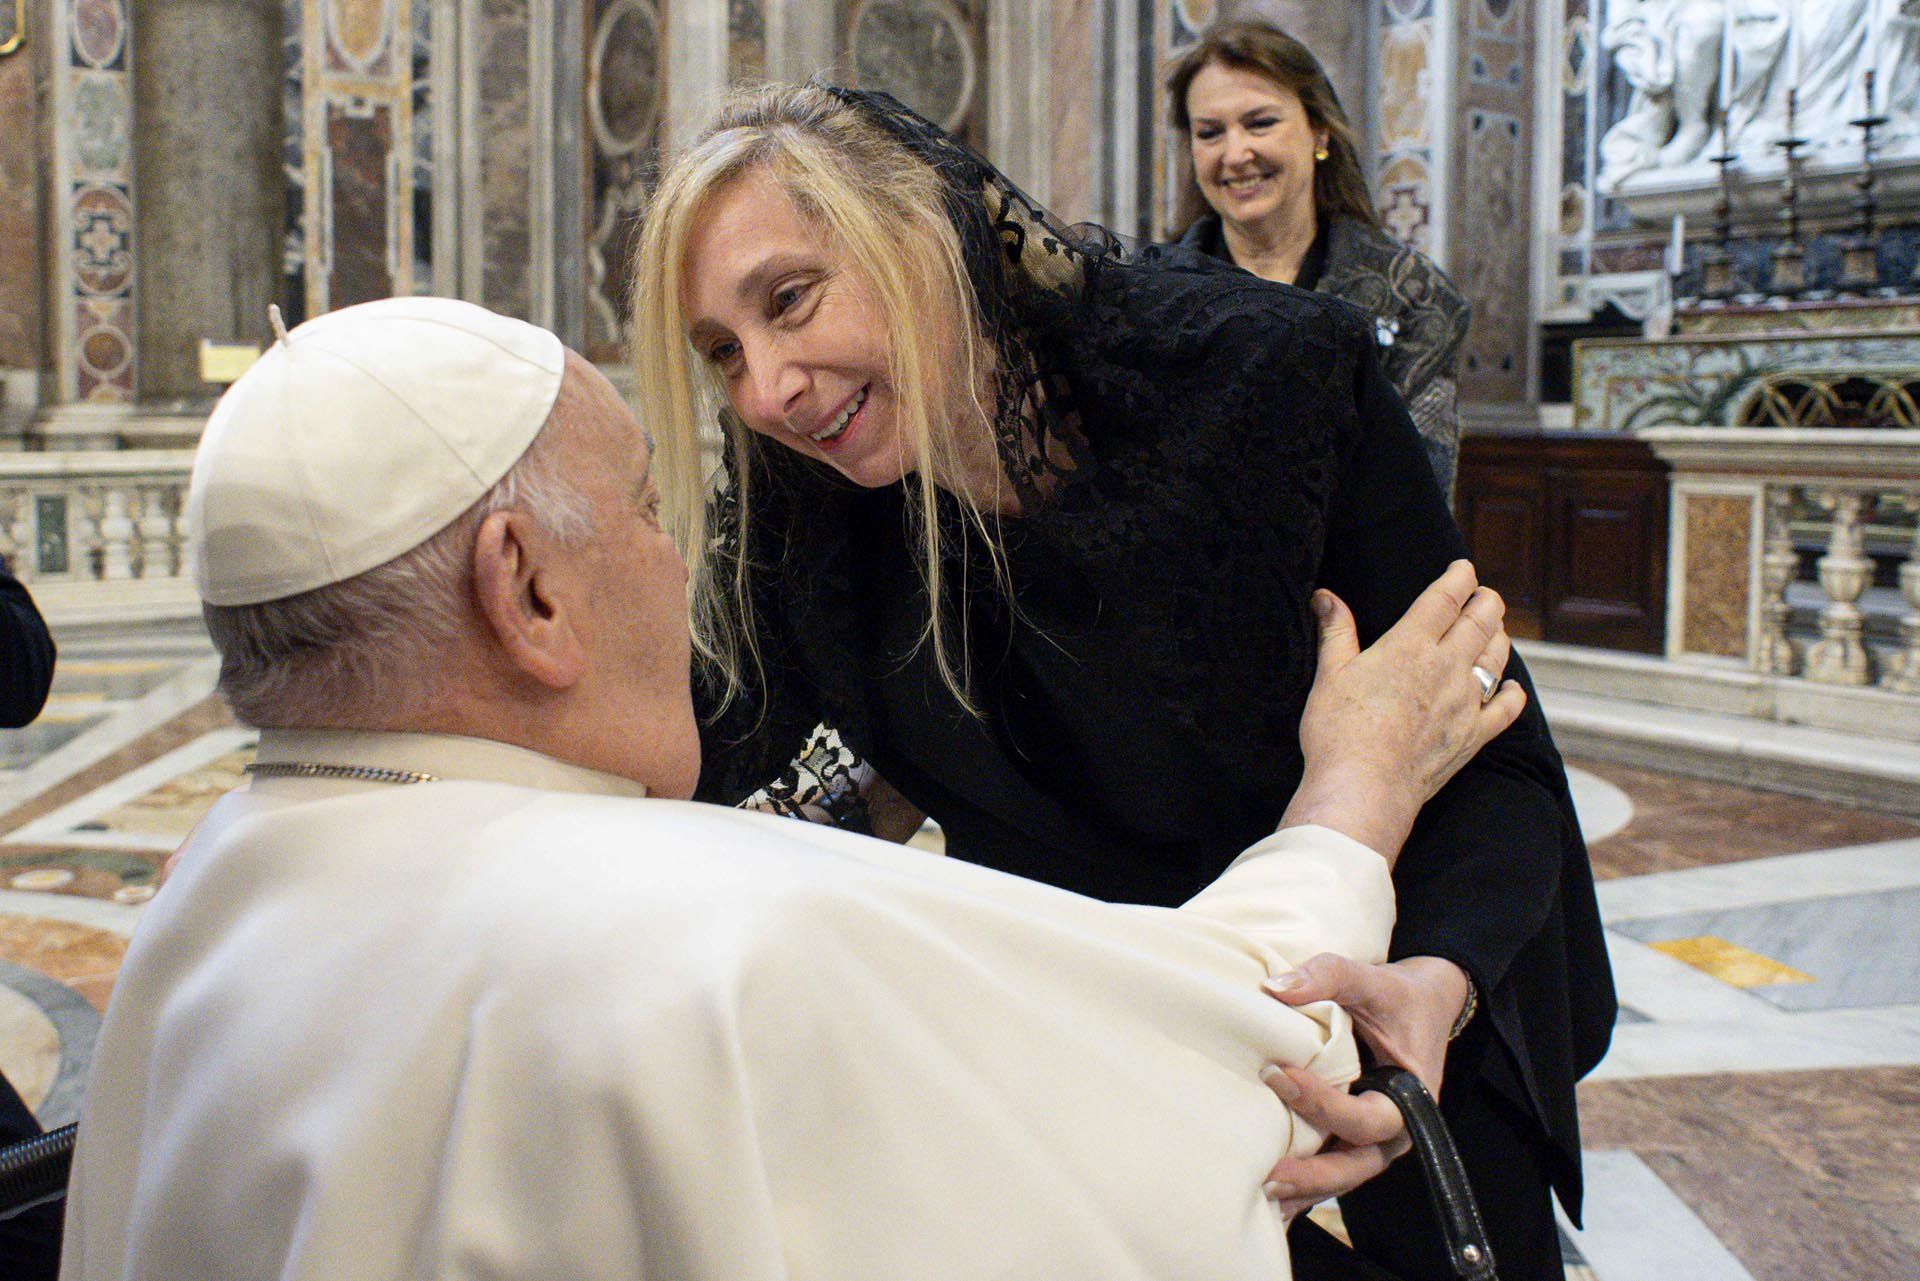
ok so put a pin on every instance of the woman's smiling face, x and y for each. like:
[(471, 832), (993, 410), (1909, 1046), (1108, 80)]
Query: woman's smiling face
[(1252, 145), (794, 332)]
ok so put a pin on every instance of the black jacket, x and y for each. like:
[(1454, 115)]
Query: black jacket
[(1143, 689), (1420, 319)]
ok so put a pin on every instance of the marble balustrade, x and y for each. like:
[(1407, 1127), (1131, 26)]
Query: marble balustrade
[(99, 535), (1774, 529)]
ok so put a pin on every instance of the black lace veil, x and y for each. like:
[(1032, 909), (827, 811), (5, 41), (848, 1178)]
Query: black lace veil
[(1031, 277)]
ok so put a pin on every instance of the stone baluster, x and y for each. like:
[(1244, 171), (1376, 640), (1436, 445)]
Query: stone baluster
[(1777, 654), (156, 529), (21, 535), (9, 545), (88, 549), (1840, 657), (116, 535), (1903, 671)]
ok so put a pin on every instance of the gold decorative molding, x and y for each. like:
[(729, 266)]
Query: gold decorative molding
[(19, 37)]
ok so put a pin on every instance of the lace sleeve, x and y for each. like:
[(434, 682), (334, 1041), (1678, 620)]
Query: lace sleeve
[(825, 784)]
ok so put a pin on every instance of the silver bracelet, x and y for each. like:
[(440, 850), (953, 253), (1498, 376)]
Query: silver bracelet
[(1467, 1011)]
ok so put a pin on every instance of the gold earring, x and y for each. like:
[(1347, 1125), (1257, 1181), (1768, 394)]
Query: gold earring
[(1319, 153)]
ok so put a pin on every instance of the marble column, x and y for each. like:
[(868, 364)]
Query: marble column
[(22, 285), (211, 187)]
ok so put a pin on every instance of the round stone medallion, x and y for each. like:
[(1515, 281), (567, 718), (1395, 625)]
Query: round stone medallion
[(99, 29), (921, 52), (623, 78)]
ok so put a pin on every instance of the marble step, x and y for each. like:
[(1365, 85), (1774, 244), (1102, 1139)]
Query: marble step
[(1861, 748)]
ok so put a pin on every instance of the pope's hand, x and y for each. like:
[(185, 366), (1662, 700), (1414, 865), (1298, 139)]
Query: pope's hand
[(1365, 1133), (1403, 1012)]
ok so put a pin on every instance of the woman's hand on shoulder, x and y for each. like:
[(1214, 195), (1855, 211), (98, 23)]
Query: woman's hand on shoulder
[(1387, 726)]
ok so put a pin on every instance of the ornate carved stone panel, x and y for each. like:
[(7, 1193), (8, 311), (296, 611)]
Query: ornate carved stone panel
[(361, 177), (930, 54), (96, 356), (626, 88)]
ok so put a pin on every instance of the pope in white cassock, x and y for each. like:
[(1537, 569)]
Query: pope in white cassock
[(458, 987)]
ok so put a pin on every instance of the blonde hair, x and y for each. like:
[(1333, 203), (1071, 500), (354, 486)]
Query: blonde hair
[(884, 209)]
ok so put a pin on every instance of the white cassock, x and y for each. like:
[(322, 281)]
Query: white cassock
[(500, 1026)]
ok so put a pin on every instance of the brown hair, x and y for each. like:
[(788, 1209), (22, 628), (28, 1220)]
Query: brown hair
[(1339, 185)]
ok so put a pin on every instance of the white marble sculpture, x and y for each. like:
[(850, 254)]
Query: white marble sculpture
[(1696, 64)]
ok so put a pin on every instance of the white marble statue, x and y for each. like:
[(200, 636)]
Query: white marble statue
[(1696, 64)]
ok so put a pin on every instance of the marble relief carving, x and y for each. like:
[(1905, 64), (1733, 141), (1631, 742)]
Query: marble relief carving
[(1624, 385), (97, 357), (1696, 65), (626, 93)]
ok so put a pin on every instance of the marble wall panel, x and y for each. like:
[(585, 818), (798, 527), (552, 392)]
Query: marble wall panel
[(96, 354), (503, 121), (364, 66), (1073, 97), (1716, 573), (746, 40), (1490, 264), (211, 186), (1491, 222), (930, 54), (22, 314), (1406, 82), (360, 143), (626, 85)]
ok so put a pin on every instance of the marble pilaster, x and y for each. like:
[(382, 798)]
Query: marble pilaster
[(359, 168), (1490, 178), (95, 329), (22, 310)]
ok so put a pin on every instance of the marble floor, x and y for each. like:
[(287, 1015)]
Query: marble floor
[(1758, 1118)]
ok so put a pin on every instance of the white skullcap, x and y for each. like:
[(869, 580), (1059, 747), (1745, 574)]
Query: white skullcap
[(358, 437)]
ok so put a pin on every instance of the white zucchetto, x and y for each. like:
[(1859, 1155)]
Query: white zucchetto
[(358, 437)]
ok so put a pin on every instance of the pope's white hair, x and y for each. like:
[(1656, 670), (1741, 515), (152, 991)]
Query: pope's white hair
[(369, 652)]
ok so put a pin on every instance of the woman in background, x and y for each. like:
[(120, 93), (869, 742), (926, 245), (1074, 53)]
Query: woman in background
[(1276, 188)]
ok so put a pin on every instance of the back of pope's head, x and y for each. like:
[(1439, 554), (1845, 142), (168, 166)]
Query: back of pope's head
[(325, 515)]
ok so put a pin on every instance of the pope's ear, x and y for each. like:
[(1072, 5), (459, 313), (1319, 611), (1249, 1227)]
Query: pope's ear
[(519, 589)]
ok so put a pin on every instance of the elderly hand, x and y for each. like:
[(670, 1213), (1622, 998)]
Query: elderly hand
[(1403, 1011), (1387, 726)]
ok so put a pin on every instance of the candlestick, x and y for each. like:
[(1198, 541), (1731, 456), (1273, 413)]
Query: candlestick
[(1726, 68), (1716, 260), (1859, 255), (1793, 50), (1790, 257)]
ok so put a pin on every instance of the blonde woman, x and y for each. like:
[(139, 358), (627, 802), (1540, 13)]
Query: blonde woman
[(1035, 526)]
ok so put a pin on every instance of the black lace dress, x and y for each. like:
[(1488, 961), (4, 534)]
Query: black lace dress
[(1229, 445)]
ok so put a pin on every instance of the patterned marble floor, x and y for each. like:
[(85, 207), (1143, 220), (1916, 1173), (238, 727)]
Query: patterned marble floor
[(1758, 1118)]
